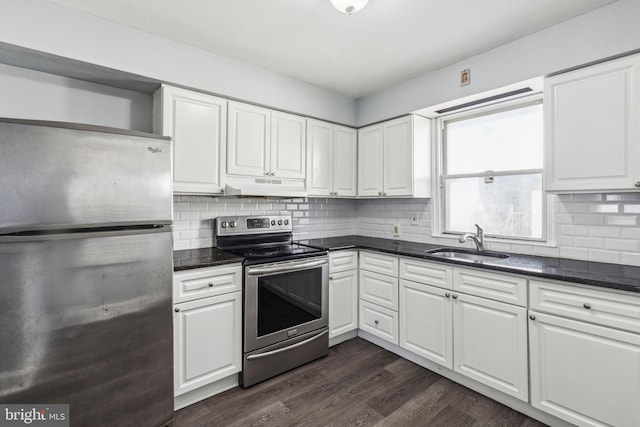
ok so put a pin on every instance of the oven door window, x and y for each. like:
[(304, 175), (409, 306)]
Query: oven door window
[(288, 300)]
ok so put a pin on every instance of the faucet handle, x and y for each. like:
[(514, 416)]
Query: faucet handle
[(479, 230)]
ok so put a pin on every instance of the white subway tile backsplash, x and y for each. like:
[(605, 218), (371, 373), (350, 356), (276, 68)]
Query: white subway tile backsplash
[(597, 227)]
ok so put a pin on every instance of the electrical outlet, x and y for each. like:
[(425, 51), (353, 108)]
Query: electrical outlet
[(396, 230), (414, 218)]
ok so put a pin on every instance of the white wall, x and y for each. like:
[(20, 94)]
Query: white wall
[(611, 30), (54, 29), (28, 94)]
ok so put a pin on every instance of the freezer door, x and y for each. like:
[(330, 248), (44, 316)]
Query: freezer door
[(65, 177), (88, 322)]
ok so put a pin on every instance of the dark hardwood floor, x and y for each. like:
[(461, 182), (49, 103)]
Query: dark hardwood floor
[(358, 384)]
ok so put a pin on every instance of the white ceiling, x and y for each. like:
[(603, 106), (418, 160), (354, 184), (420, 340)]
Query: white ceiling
[(385, 43)]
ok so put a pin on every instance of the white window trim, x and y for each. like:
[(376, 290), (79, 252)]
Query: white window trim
[(438, 168)]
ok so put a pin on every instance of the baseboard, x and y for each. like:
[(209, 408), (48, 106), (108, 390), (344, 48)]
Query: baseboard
[(343, 337), (205, 392)]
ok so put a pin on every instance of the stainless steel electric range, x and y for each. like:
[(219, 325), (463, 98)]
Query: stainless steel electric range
[(285, 295)]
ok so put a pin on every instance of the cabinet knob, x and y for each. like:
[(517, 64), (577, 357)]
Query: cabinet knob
[(376, 322), (532, 317), (447, 295), (211, 284), (222, 190), (384, 194), (379, 193), (586, 305), (637, 184), (330, 277), (454, 296), (177, 309)]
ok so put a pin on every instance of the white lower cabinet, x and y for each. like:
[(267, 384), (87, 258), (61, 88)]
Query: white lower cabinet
[(426, 322), (490, 342), (207, 338), (378, 283), (343, 292), (343, 302), (207, 331), (586, 374), (585, 353), (483, 339)]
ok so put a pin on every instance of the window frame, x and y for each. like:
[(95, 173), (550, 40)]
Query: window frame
[(548, 213)]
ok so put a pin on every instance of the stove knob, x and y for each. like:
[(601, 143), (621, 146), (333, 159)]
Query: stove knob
[(224, 224), (279, 222), (286, 222), (233, 224), (273, 222)]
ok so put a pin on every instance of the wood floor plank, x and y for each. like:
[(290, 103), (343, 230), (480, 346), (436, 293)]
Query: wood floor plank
[(358, 384)]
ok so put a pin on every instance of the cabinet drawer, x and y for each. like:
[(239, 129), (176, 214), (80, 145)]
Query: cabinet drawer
[(426, 272), (604, 307), (379, 289), (206, 282), (379, 321), (343, 261), (379, 263), (498, 287)]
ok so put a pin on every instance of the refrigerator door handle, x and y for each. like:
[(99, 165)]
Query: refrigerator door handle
[(38, 236)]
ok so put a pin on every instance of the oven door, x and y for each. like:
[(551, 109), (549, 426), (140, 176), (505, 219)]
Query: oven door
[(284, 300)]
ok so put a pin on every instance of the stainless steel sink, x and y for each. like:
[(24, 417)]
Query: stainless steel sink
[(469, 255)]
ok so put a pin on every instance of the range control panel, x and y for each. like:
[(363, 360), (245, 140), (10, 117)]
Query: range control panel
[(231, 225)]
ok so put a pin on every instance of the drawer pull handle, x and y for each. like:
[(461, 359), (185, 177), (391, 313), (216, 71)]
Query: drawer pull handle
[(211, 284), (330, 277), (532, 317), (586, 305), (177, 310), (454, 296), (447, 295), (376, 322)]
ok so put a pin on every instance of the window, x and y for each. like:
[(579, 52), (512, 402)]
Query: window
[(492, 171)]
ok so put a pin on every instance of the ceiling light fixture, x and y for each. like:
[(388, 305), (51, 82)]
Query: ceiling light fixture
[(349, 6)]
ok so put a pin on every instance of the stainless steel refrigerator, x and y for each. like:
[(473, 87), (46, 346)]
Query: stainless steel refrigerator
[(85, 272)]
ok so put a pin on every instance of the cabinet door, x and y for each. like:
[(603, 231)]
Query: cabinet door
[(343, 302), (379, 289), (288, 154), (207, 338), (370, 152), (490, 342), (398, 158), (379, 321), (319, 158), (426, 326), (345, 147), (592, 135), (197, 124), (585, 374), (249, 140)]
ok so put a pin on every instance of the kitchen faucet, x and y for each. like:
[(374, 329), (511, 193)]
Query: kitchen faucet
[(477, 238)]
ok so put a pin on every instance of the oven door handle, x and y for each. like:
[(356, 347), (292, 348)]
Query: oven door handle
[(280, 350), (282, 268)]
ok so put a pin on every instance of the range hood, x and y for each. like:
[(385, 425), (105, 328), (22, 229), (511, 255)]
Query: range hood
[(252, 186)]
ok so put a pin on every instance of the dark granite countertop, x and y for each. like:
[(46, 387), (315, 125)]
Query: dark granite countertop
[(199, 258), (614, 276)]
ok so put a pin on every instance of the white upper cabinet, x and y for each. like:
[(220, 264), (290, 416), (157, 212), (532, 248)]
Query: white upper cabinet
[(262, 142), (249, 140), (331, 159), (197, 125), (370, 161), (394, 158), (592, 128), (288, 153)]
